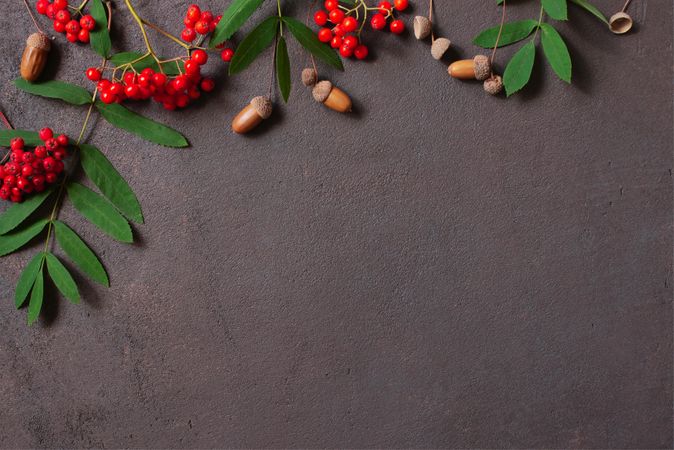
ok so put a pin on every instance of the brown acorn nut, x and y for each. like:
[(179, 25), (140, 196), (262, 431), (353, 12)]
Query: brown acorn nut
[(34, 56), (493, 85), (252, 115), (309, 77), (332, 96), (422, 27), (477, 68)]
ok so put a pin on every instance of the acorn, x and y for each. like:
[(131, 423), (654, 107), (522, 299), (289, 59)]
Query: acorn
[(252, 115), (493, 85), (620, 23), (439, 47), (477, 68), (331, 96), (422, 27), (34, 56), (309, 77)]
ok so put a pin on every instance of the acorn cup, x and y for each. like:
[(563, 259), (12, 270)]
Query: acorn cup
[(309, 77), (332, 96), (477, 68), (620, 23), (34, 56), (252, 115), (422, 27), (439, 47), (493, 85)]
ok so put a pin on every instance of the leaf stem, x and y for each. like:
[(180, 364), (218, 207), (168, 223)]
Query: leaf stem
[(540, 20), (165, 33), (143, 31)]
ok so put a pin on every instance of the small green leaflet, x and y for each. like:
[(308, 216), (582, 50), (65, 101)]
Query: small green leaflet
[(233, 17), (31, 138), (36, 297), (310, 42), (518, 70), (587, 6), (512, 32), (17, 239), (556, 52), (18, 212), (109, 182), (61, 90), (147, 129), (283, 68), (99, 36), (27, 279), (100, 212), (62, 279), (253, 44), (80, 254), (143, 61), (555, 9)]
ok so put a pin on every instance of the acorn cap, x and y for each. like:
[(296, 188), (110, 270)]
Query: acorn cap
[(39, 40), (262, 105), (439, 47), (422, 27), (322, 90), (620, 23), (309, 77), (482, 67), (493, 85)]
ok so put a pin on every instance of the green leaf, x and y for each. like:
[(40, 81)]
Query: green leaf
[(556, 52), (18, 212), (36, 297), (142, 61), (233, 17), (147, 129), (62, 279), (31, 138), (100, 212), (253, 44), (512, 32), (61, 90), (27, 279), (99, 36), (283, 68), (518, 70), (310, 42), (80, 254), (110, 182), (555, 9), (17, 239), (587, 6)]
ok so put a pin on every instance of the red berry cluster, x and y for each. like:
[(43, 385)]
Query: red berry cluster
[(171, 92), (345, 32), (32, 171), (76, 30), (199, 23)]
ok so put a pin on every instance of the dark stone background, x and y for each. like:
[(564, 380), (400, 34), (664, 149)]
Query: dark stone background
[(438, 269)]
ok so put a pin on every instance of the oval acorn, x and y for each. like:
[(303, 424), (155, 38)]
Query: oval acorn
[(34, 56), (477, 68), (439, 47), (309, 77), (252, 115), (422, 27), (493, 85), (332, 96)]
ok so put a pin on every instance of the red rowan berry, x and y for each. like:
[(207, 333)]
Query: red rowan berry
[(83, 36), (331, 4), (46, 133), (397, 26), (188, 35), (320, 18), (93, 74), (200, 57), (201, 27), (336, 16), (227, 54)]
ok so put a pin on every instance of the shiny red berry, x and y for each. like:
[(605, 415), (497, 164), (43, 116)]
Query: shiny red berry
[(46, 134), (26, 171), (350, 41), (401, 5), (397, 26), (83, 36), (338, 30), (336, 42), (331, 4), (320, 17), (324, 35), (60, 4), (193, 13), (227, 54), (62, 16), (360, 52), (51, 177), (202, 27), (17, 143), (188, 34), (200, 57), (93, 74), (41, 6), (107, 97), (336, 16), (72, 37), (207, 16), (73, 27), (346, 51), (51, 11), (62, 140), (159, 79), (38, 180), (51, 144), (378, 22), (9, 180), (385, 7), (131, 90), (59, 27), (40, 151), (28, 159), (87, 22), (350, 23), (49, 164), (192, 67), (207, 85)]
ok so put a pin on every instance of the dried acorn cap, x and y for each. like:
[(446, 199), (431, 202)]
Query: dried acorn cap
[(493, 85), (620, 23), (262, 105), (422, 27), (309, 77), (482, 67), (439, 47), (322, 90), (39, 40)]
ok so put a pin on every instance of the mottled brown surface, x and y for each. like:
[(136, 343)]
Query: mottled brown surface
[(438, 269)]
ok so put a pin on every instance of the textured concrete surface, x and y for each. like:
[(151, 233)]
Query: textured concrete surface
[(439, 269)]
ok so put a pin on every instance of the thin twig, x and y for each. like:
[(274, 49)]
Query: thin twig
[(498, 38), (627, 3), (32, 16)]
